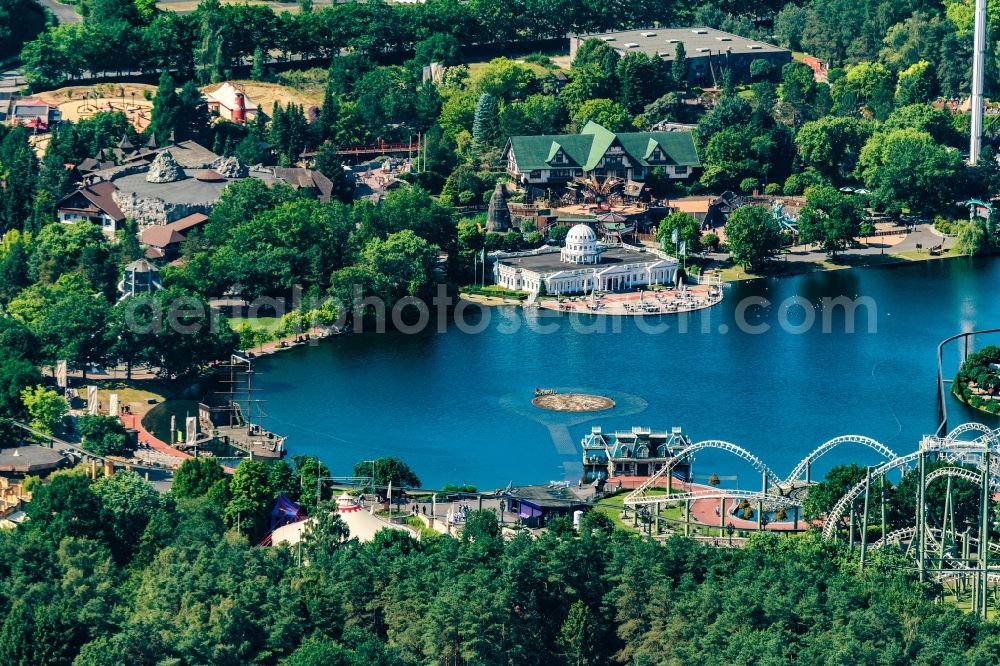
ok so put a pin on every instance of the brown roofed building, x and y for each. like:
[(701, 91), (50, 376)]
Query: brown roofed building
[(300, 178), (92, 203), (163, 241)]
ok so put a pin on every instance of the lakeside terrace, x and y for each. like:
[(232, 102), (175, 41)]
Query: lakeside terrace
[(612, 267), (643, 302)]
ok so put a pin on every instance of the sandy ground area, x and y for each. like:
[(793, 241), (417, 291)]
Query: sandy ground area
[(361, 524), (74, 105), (188, 6), (573, 402), (73, 95)]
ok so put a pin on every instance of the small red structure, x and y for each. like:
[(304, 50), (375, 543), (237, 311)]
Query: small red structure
[(818, 67), (230, 102), (35, 114)]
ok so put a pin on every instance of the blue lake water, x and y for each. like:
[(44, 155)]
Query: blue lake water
[(456, 405)]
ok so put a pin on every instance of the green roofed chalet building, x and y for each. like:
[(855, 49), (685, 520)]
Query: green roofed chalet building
[(554, 159)]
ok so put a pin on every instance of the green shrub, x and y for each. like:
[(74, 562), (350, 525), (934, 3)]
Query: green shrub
[(104, 436), (538, 59), (945, 226)]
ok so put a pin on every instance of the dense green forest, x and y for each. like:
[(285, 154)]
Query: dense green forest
[(120, 35), (111, 573)]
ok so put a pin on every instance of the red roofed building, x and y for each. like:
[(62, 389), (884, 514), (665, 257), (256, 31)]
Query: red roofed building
[(34, 114)]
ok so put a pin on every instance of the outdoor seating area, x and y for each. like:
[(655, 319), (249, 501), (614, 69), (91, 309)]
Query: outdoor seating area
[(644, 302)]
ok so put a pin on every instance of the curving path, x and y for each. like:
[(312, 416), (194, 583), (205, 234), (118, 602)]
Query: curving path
[(64, 13), (134, 421)]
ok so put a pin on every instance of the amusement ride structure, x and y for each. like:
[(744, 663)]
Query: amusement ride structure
[(941, 550)]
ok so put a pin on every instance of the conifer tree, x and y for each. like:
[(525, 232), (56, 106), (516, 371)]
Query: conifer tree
[(679, 68), (485, 124), (166, 106), (329, 164)]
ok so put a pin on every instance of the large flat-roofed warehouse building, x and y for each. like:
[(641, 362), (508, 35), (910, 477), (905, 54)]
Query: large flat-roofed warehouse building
[(709, 51)]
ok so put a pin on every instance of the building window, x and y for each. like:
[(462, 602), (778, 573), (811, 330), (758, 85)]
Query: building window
[(680, 170), (562, 173), (535, 174)]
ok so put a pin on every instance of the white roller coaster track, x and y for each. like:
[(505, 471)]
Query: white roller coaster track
[(826, 447), (719, 493), (939, 446), (639, 493)]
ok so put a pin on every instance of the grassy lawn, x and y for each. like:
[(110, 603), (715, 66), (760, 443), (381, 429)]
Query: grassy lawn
[(269, 324), (924, 255), (425, 532), (136, 393), (475, 68), (612, 507)]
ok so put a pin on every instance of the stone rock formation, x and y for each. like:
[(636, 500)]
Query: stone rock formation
[(230, 167), (164, 169)]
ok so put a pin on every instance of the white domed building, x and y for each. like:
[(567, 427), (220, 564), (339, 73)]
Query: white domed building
[(581, 246), (582, 265)]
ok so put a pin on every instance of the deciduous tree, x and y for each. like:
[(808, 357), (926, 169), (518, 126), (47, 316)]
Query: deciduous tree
[(753, 236)]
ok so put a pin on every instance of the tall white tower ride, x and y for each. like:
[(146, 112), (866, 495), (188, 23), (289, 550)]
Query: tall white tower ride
[(978, 67)]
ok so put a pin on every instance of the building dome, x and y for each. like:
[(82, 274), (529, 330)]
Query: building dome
[(581, 233), (581, 246)]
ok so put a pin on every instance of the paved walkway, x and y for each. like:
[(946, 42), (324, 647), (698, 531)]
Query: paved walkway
[(922, 235), (134, 421), (63, 13)]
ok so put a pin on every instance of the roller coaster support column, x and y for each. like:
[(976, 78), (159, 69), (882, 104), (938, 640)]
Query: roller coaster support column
[(882, 490), (966, 554), (864, 518), (722, 512), (687, 517), (808, 472), (760, 515), (850, 528), (921, 518), (764, 483), (944, 521), (657, 519), (984, 538), (795, 517)]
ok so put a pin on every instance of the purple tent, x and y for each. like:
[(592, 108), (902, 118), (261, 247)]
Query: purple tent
[(284, 512)]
